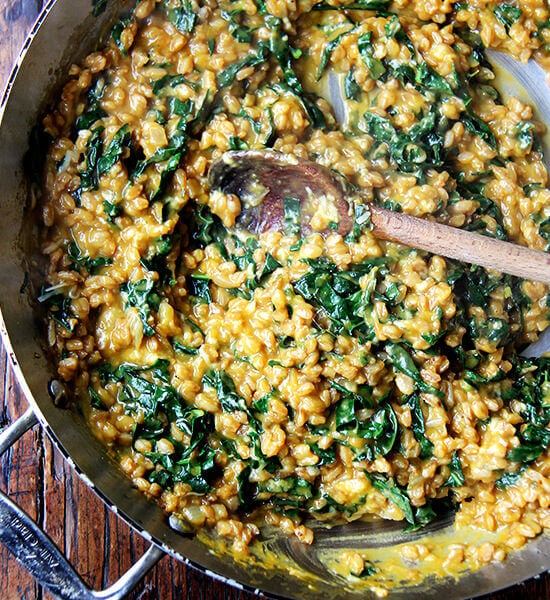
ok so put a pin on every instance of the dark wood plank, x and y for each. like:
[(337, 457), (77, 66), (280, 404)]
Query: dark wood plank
[(20, 477), (16, 18), (99, 544)]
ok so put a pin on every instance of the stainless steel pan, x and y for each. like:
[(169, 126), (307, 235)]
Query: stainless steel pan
[(65, 32)]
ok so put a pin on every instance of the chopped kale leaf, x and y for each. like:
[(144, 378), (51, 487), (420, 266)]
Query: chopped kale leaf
[(184, 17), (456, 476), (142, 295), (507, 14)]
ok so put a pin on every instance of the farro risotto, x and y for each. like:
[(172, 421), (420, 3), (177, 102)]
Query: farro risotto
[(278, 379)]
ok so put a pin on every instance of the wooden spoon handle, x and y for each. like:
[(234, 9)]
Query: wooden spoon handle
[(461, 245)]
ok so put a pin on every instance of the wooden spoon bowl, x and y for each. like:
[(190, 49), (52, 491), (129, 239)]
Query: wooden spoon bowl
[(263, 180)]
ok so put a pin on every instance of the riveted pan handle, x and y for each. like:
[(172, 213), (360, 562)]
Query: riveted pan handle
[(40, 556)]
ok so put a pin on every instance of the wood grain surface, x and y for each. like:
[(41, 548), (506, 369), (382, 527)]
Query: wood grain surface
[(465, 246), (34, 474)]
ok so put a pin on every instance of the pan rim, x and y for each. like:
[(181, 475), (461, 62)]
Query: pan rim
[(22, 381)]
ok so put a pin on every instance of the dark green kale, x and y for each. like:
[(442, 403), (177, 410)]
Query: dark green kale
[(429, 79), (157, 260), (117, 30), (487, 219), (95, 400), (235, 143), (329, 49), (282, 51), (240, 32), (112, 210), (179, 347), (326, 456), (226, 77), (100, 160), (159, 85), (167, 159), (337, 294), (525, 136), (456, 476), (225, 389), (147, 390), (287, 492), (478, 127), (143, 295), (114, 150), (361, 222), (362, 398), (531, 389), (352, 90), (59, 307), (207, 228), (81, 260), (507, 14), (94, 147), (292, 216), (403, 362), (418, 426), (511, 478), (378, 5), (199, 288), (184, 17), (494, 329), (375, 66), (93, 111), (414, 151), (394, 493)]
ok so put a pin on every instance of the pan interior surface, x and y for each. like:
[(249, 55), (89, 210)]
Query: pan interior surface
[(279, 565)]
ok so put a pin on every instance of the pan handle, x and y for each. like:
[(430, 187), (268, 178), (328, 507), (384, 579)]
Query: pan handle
[(41, 557)]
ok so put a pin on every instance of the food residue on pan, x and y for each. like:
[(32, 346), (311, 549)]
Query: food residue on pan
[(274, 379)]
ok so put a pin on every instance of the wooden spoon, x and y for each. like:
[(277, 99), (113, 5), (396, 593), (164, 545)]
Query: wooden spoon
[(264, 179)]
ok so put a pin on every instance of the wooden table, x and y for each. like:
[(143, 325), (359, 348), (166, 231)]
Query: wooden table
[(36, 476)]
